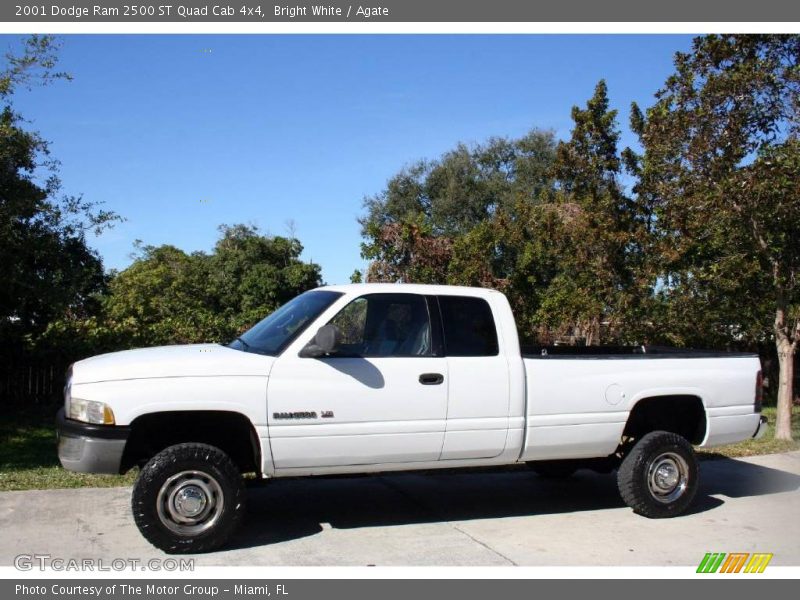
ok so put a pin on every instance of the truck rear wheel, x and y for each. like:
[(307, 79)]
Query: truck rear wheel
[(188, 498), (659, 476)]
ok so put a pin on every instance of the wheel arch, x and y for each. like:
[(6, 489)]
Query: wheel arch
[(683, 413), (230, 431)]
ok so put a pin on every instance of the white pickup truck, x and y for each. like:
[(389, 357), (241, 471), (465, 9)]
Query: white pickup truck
[(390, 377)]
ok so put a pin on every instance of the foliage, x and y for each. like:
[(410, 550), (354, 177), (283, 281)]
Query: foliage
[(161, 298), (514, 253), (597, 238), (168, 296), (35, 65), (406, 251), (58, 304), (684, 259), (251, 275), (459, 219), (451, 195), (547, 224), (47, 268), (719, 176)]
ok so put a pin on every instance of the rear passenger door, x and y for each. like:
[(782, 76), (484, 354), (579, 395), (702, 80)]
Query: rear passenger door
[(478, 390)]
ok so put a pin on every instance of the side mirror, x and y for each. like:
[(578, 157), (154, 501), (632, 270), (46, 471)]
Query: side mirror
[(328, 338), (324, 342)]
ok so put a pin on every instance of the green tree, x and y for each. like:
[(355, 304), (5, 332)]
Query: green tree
[(412, 227), (597, 234), (451, 195), (719, 176), (252, 274), (47, 268), (163, 297), (168, 296), (513, 252), (546, 223), (407, 251)]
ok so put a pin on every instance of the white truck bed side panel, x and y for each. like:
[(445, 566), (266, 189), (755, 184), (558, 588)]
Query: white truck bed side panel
[(575, 405)]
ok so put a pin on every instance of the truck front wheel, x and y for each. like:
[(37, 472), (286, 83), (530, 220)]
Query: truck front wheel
[(659, 476), (188, 498)]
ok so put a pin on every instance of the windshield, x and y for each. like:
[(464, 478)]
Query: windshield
[(273, 334)]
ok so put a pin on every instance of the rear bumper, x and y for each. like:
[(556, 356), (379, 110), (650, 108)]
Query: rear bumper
[(87, 448), (761, 429)]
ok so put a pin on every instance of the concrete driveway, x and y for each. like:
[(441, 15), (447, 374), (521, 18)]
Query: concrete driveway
[(507, 517)]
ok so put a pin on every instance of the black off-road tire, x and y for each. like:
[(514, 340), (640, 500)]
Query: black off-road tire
[(554, 469), (188, 467), (638, 480)]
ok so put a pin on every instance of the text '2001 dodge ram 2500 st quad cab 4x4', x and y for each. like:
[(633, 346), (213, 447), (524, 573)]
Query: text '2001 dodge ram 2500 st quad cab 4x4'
[(390, 377)]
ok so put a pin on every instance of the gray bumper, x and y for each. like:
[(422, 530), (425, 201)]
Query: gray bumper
[(761, 429), (86, 448)]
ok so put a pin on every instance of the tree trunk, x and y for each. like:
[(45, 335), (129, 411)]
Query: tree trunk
[(592, 335), (783, 424)]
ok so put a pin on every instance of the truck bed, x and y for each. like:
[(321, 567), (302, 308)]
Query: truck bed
[(580, 411)]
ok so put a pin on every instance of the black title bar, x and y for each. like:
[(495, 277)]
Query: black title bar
[(253, 11)]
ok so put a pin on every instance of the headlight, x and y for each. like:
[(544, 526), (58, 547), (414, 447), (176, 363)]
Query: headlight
[(88, 411)]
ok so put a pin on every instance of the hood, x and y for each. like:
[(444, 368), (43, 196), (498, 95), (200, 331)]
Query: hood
[(193, 360)]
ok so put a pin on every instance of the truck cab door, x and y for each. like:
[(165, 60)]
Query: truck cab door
[(380, 397), (479, 388)]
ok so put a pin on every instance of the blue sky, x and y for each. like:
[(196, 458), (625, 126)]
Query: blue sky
[(179, 134)]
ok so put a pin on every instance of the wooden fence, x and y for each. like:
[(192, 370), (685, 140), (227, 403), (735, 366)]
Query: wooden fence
[(32, 383)]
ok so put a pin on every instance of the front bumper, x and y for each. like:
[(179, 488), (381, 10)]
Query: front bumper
[(761, 429), (87, 448)]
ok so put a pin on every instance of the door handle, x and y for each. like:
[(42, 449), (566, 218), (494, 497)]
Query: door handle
[(431, 378)]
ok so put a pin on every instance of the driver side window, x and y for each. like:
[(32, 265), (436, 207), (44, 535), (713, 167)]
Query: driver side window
[(383, 325)]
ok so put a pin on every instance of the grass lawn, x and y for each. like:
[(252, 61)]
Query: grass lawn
[(28, 457)]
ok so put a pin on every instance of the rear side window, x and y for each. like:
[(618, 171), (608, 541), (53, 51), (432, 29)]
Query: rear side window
[(469, 328)]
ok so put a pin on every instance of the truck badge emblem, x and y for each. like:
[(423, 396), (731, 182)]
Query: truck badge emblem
[(295, 415)]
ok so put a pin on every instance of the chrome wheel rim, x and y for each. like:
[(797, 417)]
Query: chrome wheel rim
[(190, 502), (668, 477)]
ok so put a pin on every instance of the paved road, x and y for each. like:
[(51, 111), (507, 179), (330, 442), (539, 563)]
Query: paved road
[(472, 518)]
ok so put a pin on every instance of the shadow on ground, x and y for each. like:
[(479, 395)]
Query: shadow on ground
[(289, 509)]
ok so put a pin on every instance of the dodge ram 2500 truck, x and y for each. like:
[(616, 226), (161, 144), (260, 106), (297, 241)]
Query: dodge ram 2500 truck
[(390, 377)]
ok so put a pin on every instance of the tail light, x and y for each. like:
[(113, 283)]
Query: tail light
[(759, 397)]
